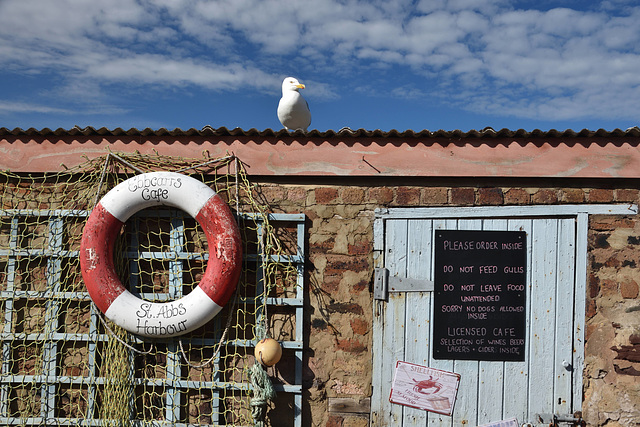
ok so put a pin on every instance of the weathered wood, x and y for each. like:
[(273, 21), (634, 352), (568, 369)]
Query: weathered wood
[(565, 296), (466, 407), (418, 308), (350, 405), (543, 314), (491, 374), (556, 263), (507, 211), (388, 327), (582, 231), (517, 373), (446, 365)]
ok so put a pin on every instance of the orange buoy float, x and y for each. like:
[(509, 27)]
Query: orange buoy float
[(268, 352)]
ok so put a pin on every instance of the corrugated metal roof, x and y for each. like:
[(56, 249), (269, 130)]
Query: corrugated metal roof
[(343, 133), (476, 153)]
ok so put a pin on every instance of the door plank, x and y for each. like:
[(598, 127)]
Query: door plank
[(466, 409), (580, 315), (564, 315), (543, 315), (516, 374), (491, 373), (394, 321), (418, 308), (377, 398), (434, 419), (379, 309)]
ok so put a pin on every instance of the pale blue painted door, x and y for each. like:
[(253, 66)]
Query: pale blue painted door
[(549, 380)]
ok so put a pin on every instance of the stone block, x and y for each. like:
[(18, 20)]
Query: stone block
[(545, 197), (573, 195), (629, 289), (351, 345), (434, 196), (362, 247), (380, 195), (600, 195), (359, 326), (516, 196), (335, 421), (353, 195), (490, 196), (407, 196), (463, 196), (325, 195), (627, 195)]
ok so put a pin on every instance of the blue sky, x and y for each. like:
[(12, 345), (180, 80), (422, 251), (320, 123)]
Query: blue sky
[(402, 64)]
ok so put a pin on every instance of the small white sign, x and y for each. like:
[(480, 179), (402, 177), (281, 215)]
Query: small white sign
[(424, 388), (511, 422)]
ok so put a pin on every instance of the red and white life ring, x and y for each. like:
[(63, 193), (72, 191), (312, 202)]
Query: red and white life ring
[(220, 278)]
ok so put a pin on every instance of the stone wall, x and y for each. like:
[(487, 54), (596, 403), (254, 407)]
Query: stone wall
[(337, 376), (612, 375)]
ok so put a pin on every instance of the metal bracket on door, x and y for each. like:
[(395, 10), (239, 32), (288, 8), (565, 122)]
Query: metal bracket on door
[(555, 419), (383, 284)]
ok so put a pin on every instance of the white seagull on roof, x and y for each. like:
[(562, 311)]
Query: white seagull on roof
[(293, 110)]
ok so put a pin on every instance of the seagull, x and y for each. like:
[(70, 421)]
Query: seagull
[(293, 110)]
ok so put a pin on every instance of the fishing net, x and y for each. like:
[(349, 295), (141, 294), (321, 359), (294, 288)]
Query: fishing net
[(63, 363)]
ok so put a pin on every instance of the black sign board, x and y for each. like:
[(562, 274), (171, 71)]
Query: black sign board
[(480, 295)]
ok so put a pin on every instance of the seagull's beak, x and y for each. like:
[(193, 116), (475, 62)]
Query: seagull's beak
[(300, 86)]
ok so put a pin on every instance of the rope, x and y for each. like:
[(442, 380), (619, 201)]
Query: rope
[(222, 339), (235, 300), (263, 392), (104, 172), (199, 165), (128, 390), (113, 334)]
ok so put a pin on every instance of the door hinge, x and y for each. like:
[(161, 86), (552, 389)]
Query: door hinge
[(383, 283)]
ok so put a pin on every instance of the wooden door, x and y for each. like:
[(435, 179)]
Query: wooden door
[(548, 381)]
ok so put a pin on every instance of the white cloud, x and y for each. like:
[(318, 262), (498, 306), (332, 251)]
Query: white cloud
[(563, 61), (22, 107), (407, 92), (159, 70)]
